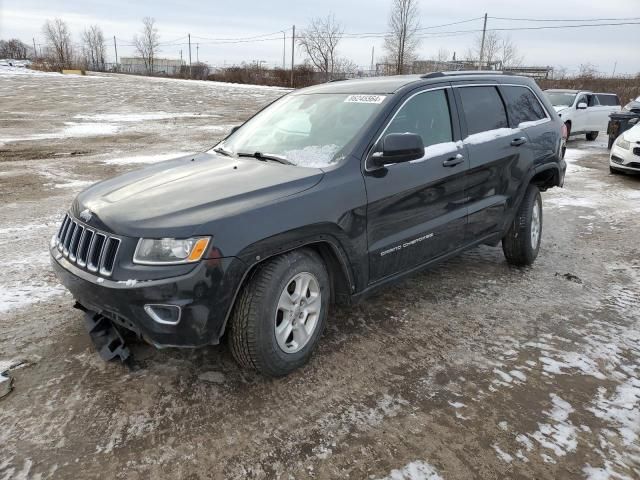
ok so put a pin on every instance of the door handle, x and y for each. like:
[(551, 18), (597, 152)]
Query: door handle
[(453, 161), (516, 142)]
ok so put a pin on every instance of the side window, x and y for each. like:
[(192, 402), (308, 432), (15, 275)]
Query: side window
[(426, 114), (523, 105), (483, 109), (609, 100), (593, 101)]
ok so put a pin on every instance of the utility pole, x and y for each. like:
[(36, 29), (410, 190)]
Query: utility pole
[(373, 49), (35, 52), (197, 53), (284, 48), (614, 69), (293, 48), (484, 32), (189, 54), (180, 56), (115, 47)]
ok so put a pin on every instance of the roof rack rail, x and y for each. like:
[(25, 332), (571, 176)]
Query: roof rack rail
[(453, 73), (337, 80)]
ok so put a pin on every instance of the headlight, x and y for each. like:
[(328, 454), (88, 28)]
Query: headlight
[(622, 143), (169, 251)]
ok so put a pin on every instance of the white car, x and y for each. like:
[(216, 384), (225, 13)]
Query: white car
[(584, 112), (625, 154)]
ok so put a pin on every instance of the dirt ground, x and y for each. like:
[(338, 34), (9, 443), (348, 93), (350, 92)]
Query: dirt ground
[(473, 369)]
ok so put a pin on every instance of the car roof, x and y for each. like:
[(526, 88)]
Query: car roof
[(394, 83)]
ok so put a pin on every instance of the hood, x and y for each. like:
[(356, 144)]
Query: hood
[(178, 198), (559, 108), (633, 134)]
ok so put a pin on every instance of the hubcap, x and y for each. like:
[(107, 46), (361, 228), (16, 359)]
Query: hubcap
[(298, 312), (536, 224)]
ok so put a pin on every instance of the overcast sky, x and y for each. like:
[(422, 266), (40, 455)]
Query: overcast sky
[(213, 19)]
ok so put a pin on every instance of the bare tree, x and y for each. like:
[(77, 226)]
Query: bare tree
[(56, 33), (345, 67), (402, 41), (14, 49), (587, 70), (94, 47), (496, 49), (147, 44), (319, 41)]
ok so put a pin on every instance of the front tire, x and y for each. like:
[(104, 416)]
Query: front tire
[(521, 244), (591, 136), (280, 314)]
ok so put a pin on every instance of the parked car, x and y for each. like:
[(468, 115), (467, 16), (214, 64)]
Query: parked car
[(584, 113), (633, 106), (625, 153), (255, 238)]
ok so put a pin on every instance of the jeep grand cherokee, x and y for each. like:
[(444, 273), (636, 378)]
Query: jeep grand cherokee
[(325, 195)]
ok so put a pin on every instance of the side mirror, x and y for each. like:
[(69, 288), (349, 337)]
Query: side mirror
[(398, 148), (582, 106)]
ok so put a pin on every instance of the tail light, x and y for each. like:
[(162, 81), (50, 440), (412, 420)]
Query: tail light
[(564, 131)]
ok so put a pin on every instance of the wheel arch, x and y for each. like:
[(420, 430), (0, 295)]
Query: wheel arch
[(334, 257)]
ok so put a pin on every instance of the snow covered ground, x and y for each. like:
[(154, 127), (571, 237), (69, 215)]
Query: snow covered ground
[(471, 370)]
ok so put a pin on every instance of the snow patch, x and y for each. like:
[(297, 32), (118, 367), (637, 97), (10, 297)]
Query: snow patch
[(417, 470), (314, 156), (490, 135)]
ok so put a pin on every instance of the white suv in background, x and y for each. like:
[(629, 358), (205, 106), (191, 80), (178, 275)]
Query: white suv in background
[(584, 112)]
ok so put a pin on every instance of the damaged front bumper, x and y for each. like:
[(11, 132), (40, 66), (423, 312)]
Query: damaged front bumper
[(203, 297)]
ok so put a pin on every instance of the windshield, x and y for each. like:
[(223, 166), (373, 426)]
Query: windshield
[(560, 99), (305, 130)]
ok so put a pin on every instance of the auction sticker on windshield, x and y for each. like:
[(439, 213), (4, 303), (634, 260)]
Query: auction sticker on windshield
[(365, 99)]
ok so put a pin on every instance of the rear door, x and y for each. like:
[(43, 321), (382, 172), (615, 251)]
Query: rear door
[(527, 113), (416, 209), (494, 151)]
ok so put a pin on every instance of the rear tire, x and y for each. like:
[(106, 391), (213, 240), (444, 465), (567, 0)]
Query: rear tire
[(591, 136), (280, 313), (521, 244)]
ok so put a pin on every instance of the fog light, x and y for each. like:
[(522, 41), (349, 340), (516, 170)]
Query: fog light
[(164, 314)]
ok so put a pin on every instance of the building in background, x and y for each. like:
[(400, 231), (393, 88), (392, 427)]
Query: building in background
[(162, 66)]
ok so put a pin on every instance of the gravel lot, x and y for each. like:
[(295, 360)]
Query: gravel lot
[(473, 369)]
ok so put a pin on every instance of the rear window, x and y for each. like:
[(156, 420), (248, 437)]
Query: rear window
[(483, 109), (608, 100), (522, 105)]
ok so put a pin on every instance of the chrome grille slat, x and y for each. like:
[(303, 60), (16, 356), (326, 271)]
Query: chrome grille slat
[(109, 253), (67, 238), (88, 248), (84, 247), (95, 252), (73, 247)]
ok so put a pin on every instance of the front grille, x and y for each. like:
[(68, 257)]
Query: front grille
[(87, 247)]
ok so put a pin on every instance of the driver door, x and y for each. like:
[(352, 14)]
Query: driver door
[(416, 210), (580, 116)]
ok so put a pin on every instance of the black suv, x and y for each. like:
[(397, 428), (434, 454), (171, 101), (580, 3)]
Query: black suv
[(321, 197)]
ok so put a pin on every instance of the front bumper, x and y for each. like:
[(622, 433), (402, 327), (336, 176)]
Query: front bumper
[(205, 296), (625, 159)]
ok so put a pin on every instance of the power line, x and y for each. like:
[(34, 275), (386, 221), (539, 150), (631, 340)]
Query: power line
[(566, 19)]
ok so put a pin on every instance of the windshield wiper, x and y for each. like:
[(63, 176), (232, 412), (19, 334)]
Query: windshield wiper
[(266, 156), (223, 151)]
